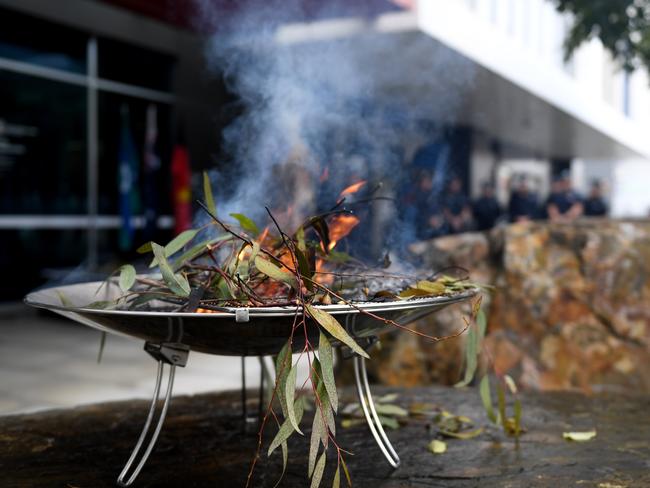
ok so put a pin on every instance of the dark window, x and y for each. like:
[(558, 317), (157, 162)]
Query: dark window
[(42, 146), (134, 65), (28, 258), (31, 40), (110, 130)]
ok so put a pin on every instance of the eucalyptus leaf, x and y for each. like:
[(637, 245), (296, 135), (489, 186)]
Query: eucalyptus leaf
[(207, 194), (486, 398), (326, 357), (336, 482), (282, 368), (331, 325), (272, 271), (290, 392), (195, 250), (463, 435), (286, 429), (246, 223), (127, 277), (317, 431), (176, 244), (394, 410), (144, 248), (345, 470), (317, 476), (471, 357), (177, 283)]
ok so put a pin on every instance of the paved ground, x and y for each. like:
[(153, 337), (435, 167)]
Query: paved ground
[(203, 445), (49, 362)]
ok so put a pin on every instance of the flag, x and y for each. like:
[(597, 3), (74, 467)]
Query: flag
[(181, 189), (150, 173), (129, 197)]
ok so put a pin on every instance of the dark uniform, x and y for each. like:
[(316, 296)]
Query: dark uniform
[(563, 200), (595, 207), (523, 204), (486, 212)]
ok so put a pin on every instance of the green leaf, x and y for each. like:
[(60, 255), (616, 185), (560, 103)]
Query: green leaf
[(389, 422), (282, 368), (272, 271), (102, 344), (144, 248), (177, 283), (501, 401), (317, 431), (176, 244), (127, 277), (326, 357), (345, 470), (437, 447), (471, 357), (486, 398), (290, 392), (63, 298), (394, 410), (331, 325), (318, 471), (481, 323), (246, 223), (432, 287), (517, 417), (286, 429), (304, 268), (195, 250), (336, 482), (207, 194)]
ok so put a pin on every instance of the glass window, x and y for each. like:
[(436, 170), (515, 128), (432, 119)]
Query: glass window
[(27, 255), (42, 146), (134, 65), (110, 133), (31, 40)]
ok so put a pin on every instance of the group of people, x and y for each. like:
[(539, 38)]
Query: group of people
[(434, 214)]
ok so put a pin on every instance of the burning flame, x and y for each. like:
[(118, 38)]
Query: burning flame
[(340, 226), (355, 187)]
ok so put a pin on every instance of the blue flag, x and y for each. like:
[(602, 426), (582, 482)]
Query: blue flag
[(128, 182)]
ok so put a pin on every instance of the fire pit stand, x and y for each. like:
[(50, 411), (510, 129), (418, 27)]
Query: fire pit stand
[(259, 331)]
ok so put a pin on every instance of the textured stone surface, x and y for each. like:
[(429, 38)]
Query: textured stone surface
[(571, 308), (202, 445)]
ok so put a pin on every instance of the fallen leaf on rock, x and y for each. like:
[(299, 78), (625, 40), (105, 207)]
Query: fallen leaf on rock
[(437, 447), (579, 436)]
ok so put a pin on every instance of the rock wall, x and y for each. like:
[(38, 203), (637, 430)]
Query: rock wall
[(570, 308)]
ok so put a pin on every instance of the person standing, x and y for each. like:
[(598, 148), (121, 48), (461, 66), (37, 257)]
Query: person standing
[(486, 208), (563, 204), (522, 206), (595, 205), (456, 207)]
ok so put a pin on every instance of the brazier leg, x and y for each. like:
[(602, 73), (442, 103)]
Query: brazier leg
[(168, 358), (370, 412)]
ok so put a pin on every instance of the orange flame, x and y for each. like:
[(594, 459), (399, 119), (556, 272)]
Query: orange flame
[(340, 226), (355, 187)]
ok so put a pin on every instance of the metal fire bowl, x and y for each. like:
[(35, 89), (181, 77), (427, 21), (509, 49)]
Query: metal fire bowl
[(261, 331)]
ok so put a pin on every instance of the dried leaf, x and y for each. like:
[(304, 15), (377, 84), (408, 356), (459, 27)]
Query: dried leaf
[(318, 471), (432, 287), (290, 392), (579, 436), (207, 194), (144, 248), (305, 269), (437, 447), (463, 435), (394, 410), (272, 271), (287, 429), (331, 325), (127, 277), (486, 398), (321, 228), (326, 357), (413, 292), (177, 283), (246, 223)]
